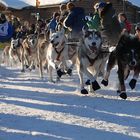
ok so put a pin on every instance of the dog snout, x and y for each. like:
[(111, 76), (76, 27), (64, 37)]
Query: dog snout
[(133, 63), (93, 43), (52, 41), (14, 47)]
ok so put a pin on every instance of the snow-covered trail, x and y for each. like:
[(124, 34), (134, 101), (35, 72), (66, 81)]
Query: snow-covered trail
[(34, 109)]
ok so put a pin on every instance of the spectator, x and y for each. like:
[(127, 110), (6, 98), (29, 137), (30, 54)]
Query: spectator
[(94, 22), (40, 26), (32, 29), (53, 23), (22, 32), (63, 12), (109, 23), (137, 29), (125, 24), (75, 20), (2, 18), (26, 24), (16, 23), (6, 29)]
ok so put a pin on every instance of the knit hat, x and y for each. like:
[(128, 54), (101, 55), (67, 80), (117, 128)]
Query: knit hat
[(101, 5)]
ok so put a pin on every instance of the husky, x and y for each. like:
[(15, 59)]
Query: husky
[(42, 46), (91, 58), (127, 57), (15, 51), (57, 54), (29, 56)]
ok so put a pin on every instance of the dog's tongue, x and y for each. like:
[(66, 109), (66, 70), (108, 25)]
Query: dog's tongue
[(93, 48)]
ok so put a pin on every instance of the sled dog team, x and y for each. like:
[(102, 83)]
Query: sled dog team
[(89, 55)]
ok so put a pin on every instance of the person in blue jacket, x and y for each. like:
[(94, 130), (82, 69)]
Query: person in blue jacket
[(6, 29), (75, 20), (53, 23)]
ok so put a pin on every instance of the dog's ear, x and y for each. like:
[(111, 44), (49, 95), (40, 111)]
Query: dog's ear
[(84, 29), (98, 33)]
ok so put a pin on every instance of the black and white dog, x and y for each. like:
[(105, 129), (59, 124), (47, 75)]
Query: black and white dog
[(91, 58), (127, 57)]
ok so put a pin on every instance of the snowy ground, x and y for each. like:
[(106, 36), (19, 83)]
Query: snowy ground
[(34, 109)]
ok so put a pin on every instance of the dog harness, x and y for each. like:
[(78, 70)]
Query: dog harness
[(59, 52)]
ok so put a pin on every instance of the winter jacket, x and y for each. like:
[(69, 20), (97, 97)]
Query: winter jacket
[(94, 23), (6, 31), (75, 20), (52, 25), (16, 23), (110, 24), (126, 25)]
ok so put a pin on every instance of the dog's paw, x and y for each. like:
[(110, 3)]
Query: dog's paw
[(132, 83), (26, 66), (33, 67), (84, 91), (123, 95), (52, 81), (22, 70), (104, 82), (57, 79), (88, 82), (69, 72), (118, 91), (95, 85), (60, 73), (45, 67)]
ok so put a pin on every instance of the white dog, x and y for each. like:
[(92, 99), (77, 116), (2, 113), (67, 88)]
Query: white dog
[(15, 50), (57, 53)]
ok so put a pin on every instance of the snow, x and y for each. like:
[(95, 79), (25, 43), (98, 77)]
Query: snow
[(35, 109), (23, 3)]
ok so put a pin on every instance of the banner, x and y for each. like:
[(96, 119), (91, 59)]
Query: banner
[(6, 31)]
